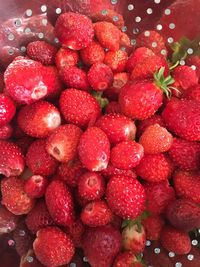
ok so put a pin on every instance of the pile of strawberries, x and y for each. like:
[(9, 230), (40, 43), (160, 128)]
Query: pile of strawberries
[(99, 147)]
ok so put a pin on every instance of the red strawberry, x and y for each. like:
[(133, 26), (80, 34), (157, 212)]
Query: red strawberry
[(14, 197), (39, 161), (185, 154), (91, 186), (125, 42), (62, 143), (193, 93), (144, 124), (117, 127), (111, 171), (39, 119), (153, 226), (156, 139), (175, 240), (194, 61), (183, 214), (113, 108), (38, 217), (155, 168), (100, 76), (94, 149), (158, 195), (108, 35), (60, 208), (7, 109), (74, 77), (96, 213), (74, 30), (125, 196), (116, 60), (6, 131), (8, 221), (127, 259), (60, 249), (101, 245), (187, 185), (35, 186), (66, 57), (76, 231), (42, 51), (93, 53), (79, 107), (11, 158), (126, 155)]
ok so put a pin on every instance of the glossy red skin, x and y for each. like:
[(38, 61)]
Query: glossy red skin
[(7, 109), (39, 161), (126, 259), (93, 53), (192, 93), (76, 231), (66, 57), (94, 149), (111, 170), (74, 31), (153, 226), (6, 131), (35, 186), (116, 60), (8, 221), (113, 108)]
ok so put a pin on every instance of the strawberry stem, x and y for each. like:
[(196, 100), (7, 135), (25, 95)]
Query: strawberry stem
[(103, 101)]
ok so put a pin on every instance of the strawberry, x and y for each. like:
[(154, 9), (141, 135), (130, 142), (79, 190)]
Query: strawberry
[(185, 154), (156, 139), (60, 249), (113, 108), (66, 57), (158, 195), (193, 93), (108, 35), (125, 43), (125, 196), (39, 161), (60, 208), (62, 143), (100, 76), (155, 168), (41, 51), (127, 259), (187, 185), (94, 149), (6, 131), (116, 60), (78, 107), (175, 240), (14, 197), (76, 231), (7, 109), (39, 119), (74, 77), (35, 186), (91, 186), (183, 214), (38, 217), (93, 53), (96, 213), (8, 221), (74, 30), (194, 61), (118, 128), (183, 126), (111, 171), (153, 226), (101, 245), (126, 155), (11, 158)]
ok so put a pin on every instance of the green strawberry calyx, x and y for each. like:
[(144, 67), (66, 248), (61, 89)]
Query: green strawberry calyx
[(103, 101), (137, 221)]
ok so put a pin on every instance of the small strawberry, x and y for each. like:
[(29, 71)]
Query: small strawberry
[(125, 196), (113, 108), (125, 42), (38, 160), (39, 119), (78, 107), (66, 57), (93, 53), (60, 208), (116, 60), (101, 245), (74, 30), (35, 186), (60, 249), (108, 35), (187, 185), (7, 109), (6, 131), (127, 259), (94, 149), (175, 240), (38, 217), (155, 168), (8, 221), (111, 171), (14, 197), (76, 231), (185, 154), (156, 139), (193, 93), (118, 128), (194, 61), (42, 51), (91, 186), (62, 143), (11, 158), (100, 76), (96, 213), (153, 226), (126, 155)]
